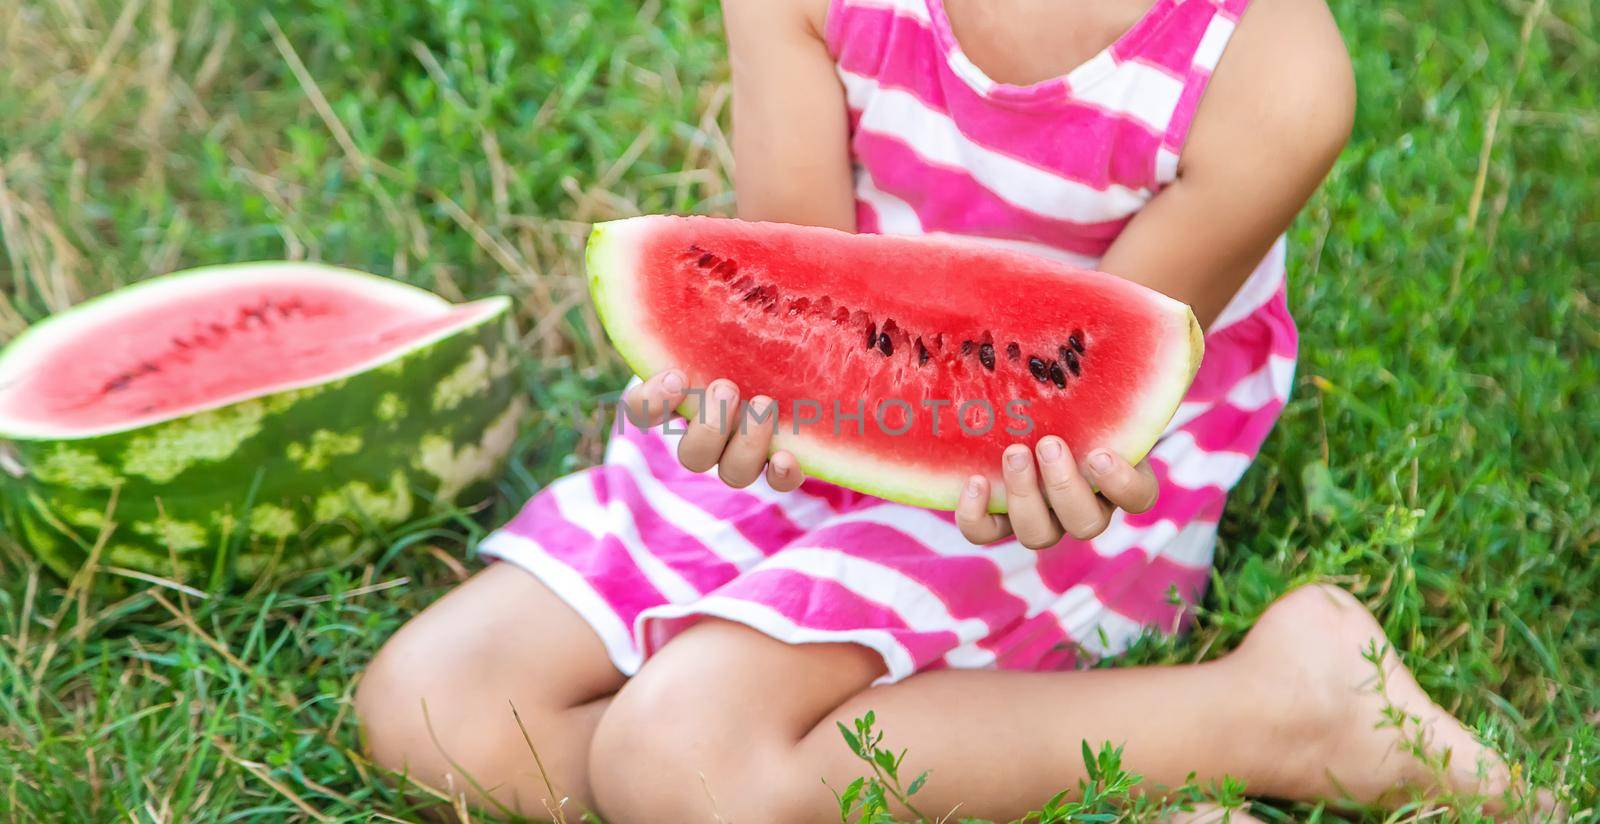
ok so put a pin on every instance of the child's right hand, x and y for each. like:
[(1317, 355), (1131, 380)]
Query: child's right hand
[(714, 436)]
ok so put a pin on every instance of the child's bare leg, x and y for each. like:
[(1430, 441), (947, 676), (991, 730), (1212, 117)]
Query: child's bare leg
[(1211, 814), (500, 640), (727, 721)]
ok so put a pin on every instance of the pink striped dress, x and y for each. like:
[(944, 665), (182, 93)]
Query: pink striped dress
[(642, 548)]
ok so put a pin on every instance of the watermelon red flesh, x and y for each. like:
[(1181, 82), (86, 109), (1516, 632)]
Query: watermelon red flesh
[(200, 342), (786, 311), (277, 442)]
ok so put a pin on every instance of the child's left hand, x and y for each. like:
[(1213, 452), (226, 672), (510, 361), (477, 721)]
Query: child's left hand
[(722, 432), (1050, 497)]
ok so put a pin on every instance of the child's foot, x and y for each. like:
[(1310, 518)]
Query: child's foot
[(1369, 734)]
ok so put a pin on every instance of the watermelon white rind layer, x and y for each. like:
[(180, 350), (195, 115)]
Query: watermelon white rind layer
[(614, 268), (283, 477)]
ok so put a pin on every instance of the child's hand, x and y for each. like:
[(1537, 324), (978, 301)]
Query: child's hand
[(715, 436), (1056, 499)]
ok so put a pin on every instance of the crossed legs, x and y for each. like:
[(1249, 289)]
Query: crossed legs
[(728, 724)]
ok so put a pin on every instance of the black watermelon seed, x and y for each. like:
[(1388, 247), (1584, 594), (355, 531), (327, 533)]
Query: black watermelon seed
[(922, 353), (884, 344), (966, 348), (1062, 352), (1057, 377), (1075, 340), (1037, 367), (1072, 363), (872, 335), (986, 356), (1013, 351), (706, 260)]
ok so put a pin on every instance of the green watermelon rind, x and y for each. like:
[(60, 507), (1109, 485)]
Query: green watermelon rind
[(609, 259), (303, 475)]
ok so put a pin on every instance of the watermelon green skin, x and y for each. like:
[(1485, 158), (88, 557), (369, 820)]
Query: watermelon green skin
[(287, 480), (780, 310)]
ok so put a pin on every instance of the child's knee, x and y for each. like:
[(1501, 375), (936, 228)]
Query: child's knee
[(665, 752), (643, 734), (417, 696), (389, 704)]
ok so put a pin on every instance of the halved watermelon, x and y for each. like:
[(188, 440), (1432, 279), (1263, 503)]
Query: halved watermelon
[(948, 350), (203, 422)]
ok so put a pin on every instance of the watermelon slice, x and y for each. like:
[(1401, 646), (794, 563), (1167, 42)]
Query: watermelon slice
[(901, 366), (208, 421)]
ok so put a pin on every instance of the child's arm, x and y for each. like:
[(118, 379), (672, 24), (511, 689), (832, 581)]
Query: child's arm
[(792, 165), (790, 125), (1268, 130)]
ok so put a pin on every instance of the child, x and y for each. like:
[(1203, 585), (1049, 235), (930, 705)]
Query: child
[(679, 645)]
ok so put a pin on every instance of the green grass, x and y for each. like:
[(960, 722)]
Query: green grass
[(1437, 457)]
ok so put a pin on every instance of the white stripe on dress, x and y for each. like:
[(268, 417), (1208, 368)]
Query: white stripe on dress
[(1265, 385), (1036, 249), (714, 533), (573, 589), (1100, 630), (1209, 52), (933, 136), (577, 503), (920, 608), (1268, 384), (1262, 283), (1189, 465), (1187, 411), (897, 659), (1192, 547), (895, 216), (803, 510), (1166, 165), (969, 71), (1142, 93), (1119, 536), (1018, 565)]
